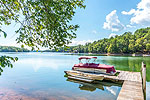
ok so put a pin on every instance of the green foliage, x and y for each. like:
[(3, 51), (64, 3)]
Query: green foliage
[(5, 35), (12, 49), (139, 42), (148, 46), (6, 61), (45, 22)]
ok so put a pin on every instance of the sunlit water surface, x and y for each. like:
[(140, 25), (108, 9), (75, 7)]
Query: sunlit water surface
[(40, 76)]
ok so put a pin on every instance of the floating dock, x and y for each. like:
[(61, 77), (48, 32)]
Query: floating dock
[(132, 88)]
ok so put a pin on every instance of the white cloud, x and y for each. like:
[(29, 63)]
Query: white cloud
[(83, 42), (132, 11), (112, 22), (141, 15), (112, 35), (144, 4), (130, 26)]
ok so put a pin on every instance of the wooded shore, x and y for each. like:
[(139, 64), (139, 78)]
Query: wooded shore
[(108, 54)]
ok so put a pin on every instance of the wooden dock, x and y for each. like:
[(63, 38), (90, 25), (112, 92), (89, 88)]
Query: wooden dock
[(131, 90), (125, 76), (132, 84)]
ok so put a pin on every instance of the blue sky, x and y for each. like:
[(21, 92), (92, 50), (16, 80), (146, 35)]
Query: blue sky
[(101, 19)]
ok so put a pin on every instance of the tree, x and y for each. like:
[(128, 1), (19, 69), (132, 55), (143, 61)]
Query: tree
[(139, 42), (44, 23), (109, 50), (148, 47)]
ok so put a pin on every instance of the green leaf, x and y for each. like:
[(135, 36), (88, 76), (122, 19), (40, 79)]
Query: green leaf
[(5, 34), (22, 46), (16, 58)]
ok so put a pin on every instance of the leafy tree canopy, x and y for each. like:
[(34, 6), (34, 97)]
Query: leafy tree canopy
[(44, 23), (139, 42)]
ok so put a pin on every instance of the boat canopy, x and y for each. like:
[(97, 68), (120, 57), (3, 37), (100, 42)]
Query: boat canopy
[(87, 57)]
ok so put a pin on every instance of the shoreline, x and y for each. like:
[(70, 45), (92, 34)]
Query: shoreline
[(90, 54), (108, 54)]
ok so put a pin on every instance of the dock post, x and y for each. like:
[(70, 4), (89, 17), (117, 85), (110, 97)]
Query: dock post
[(144, 76)]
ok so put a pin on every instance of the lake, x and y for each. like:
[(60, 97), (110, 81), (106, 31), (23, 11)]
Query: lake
[(40, 76)]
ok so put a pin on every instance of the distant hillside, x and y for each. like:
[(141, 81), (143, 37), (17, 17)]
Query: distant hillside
[(139, 42), (12, 49)]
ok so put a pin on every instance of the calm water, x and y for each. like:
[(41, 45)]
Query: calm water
[(40, 76)]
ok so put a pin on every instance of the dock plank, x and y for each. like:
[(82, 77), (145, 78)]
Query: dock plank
[(129, 76), (131, 90), (81, 79), (125, 76)]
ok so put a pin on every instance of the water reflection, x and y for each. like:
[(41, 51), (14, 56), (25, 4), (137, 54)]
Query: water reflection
[(127, 63), (147, 90), (39, 76), (9, 94), (102, 85), (87, 86), (38, 63)]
